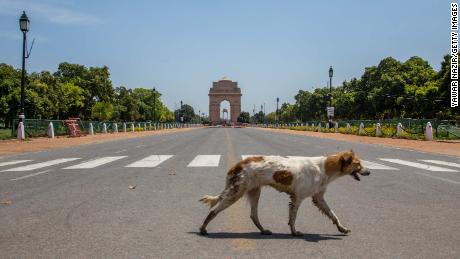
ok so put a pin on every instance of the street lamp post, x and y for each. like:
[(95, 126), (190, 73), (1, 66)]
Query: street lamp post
[(331, 73), (261, 111), (154, 104), (181, 113), (277, 115), (265, 117), (24, 26)]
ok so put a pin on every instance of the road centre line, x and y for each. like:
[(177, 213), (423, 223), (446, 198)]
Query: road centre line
[(31, 175)]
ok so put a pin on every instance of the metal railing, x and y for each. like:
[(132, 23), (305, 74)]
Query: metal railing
[(39, 128), (411, 128)]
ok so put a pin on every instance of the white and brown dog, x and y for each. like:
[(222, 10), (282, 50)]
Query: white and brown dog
[(300, 177)]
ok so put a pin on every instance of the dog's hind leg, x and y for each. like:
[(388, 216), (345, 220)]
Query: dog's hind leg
[(293, 207), (320, 202), (253, 197), (229, 196)]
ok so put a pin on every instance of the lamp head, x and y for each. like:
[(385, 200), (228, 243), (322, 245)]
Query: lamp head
[(24, 22)]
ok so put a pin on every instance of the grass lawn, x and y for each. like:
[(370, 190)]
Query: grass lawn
[(5, 134)]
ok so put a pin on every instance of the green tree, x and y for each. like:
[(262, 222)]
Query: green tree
[(186, 112), (10, 84), (244, 117), (102, 111)]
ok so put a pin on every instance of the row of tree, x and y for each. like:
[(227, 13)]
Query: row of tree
[(78, 91), (392, 89)]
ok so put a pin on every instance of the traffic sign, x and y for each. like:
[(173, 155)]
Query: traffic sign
[(330, 111)]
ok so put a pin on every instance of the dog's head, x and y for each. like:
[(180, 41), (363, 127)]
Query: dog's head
[(350, 164)]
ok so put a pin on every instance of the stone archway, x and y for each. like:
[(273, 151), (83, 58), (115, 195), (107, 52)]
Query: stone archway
[(224, 90)]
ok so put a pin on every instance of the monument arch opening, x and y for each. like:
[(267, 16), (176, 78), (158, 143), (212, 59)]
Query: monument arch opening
[(224, 90), (224, 109)]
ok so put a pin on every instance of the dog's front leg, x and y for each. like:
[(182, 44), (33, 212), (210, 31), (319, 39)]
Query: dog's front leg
[(293, 207), (321, 203)]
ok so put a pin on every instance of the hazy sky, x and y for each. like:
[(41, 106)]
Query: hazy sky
[(272, 48)]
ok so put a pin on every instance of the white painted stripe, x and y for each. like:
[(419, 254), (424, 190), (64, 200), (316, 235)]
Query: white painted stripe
[(418, 165), (41, 165), (150, 161), (30, 175), (95, 162), (439, 162), (205, 161), (437, 177), (246, 156), (14, 162), (376, 166)]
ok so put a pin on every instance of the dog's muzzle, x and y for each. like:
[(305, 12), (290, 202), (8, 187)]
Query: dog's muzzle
[(363, 172)]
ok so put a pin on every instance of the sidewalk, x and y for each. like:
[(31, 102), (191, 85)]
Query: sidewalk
[(14, 146), (435, 147)]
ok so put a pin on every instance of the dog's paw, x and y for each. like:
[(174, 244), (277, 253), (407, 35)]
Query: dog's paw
[(297, 233), (344, 230), (203, 232), (265, 232)]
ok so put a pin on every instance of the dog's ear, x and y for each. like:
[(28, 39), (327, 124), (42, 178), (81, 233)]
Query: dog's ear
[(346, 158)]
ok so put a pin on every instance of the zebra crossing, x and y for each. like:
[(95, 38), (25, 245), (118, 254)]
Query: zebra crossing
[(152, 161)]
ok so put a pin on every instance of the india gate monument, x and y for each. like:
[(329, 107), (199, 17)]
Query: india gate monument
[(224, 90)]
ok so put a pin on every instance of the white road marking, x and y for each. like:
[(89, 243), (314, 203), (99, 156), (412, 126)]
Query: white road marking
[(246, 156), (42, 164), (205, 161), (150, 161), (377, 166), (418, 165), (30, 175), (439, 162), (438, 178), (120, 151), (14, 162), (95, 162)]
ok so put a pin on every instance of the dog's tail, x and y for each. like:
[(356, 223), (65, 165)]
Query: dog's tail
[(210, 200)]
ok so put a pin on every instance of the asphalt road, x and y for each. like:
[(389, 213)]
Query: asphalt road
[(399, 211)]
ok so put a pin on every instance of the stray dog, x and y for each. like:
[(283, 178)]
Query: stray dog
[(300, 177)]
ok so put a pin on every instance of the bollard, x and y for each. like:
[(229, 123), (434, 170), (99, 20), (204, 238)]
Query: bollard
[(399, 129), (20, 133), (139, 125), (50, 130), (91, 129), (115, 128), (145, 126), (378, 130), (429, 131), (327, 127), (336, 127), (319, 127), (150, 126), (132, 127), (361, 129), (306, 126), (104, 128), (124, 127), (348, 128)]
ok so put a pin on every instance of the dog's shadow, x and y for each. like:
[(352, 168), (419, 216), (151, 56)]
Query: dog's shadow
[(256, 235)]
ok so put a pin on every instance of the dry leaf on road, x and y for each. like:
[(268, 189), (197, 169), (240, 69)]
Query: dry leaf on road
[(5, 202)]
